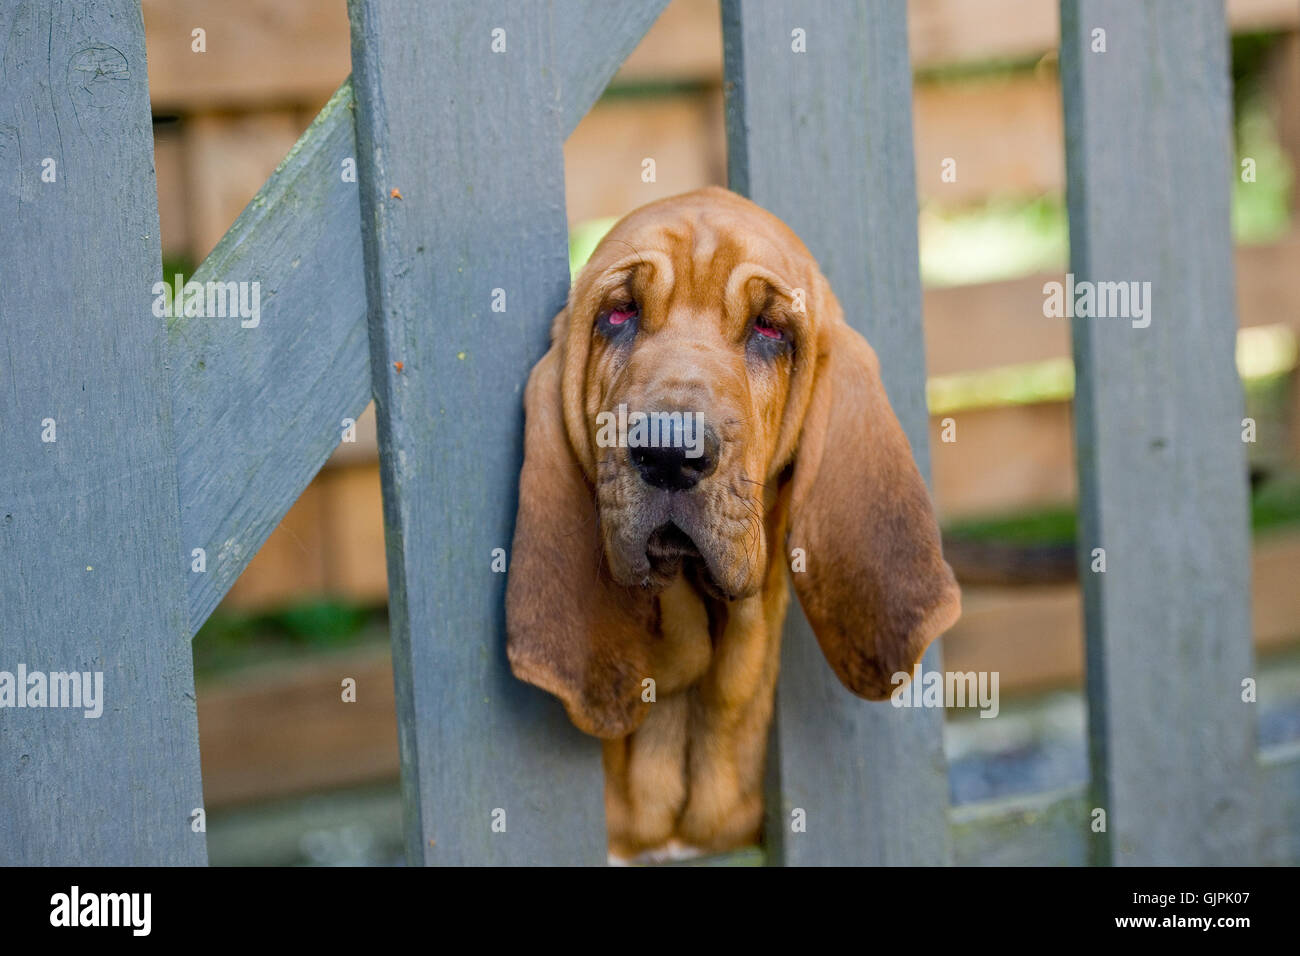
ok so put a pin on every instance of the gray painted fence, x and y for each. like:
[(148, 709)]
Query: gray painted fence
[(466, 263), (1163, 479), (97, 527), (91, 564)]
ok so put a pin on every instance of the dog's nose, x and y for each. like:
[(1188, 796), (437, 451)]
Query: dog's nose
[(686, 452)]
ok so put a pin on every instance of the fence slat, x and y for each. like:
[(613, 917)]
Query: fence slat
[(91, 566), (1162, 467), (463, 211), (824, 140), (592, 39), (258, 410)]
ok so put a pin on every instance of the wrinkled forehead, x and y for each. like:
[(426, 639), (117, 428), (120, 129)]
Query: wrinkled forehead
[(705, 243)]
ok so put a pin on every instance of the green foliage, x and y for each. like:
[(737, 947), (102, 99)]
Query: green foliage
[(1275, 504), (1261, 210), (173, 266), (1002, 238), (1048, 526), (583, 239), (230, 639)]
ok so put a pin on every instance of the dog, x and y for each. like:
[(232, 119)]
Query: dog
[(648, 581)]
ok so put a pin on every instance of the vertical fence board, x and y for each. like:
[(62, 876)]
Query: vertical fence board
[(481, 208), (824, 140), (90, 553), (1162, 469)]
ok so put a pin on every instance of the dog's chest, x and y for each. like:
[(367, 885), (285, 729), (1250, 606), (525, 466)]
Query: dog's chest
[(685, 648)]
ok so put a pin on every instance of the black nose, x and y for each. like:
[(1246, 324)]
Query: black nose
[(686, 452)]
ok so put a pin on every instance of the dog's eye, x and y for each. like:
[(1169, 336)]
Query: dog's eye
[(767, 330), (619, 322)]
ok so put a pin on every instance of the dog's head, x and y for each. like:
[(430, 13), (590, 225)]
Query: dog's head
[(701, 376)]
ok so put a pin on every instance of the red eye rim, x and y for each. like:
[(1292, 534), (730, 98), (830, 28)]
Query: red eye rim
[(618, 317), (767, 330)]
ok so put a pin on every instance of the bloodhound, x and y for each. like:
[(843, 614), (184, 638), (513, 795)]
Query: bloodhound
[(648, 582)]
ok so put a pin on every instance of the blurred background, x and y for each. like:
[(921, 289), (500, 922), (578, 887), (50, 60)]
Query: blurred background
[(292, 775)]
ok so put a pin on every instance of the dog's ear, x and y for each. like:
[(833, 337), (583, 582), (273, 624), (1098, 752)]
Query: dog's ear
[(571, 630), (875, 587)]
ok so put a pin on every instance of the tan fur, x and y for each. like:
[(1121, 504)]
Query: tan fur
[(811, 457)]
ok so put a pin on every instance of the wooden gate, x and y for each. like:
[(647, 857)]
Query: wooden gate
[(133, 445)]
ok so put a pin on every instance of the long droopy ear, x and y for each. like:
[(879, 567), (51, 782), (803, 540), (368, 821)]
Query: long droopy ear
[(572, 630), (876, 588)]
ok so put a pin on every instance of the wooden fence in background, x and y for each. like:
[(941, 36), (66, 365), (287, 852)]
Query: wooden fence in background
[(236, 122), (200, 434)]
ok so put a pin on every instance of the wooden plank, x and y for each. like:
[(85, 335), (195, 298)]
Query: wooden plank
[(824, 140), (951, 31), (683, 134), (955, 31), (353, 512), (1033, 636), (1275, 600), (970, 327), (1030, 636), (293, 565), (1247, 16), (1162, 470), (251, 752), (299, 52), (1005, 459), (257, 52), (91, 562), (258, 410), (1004, 134), (448, 376), (1283, 84)]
